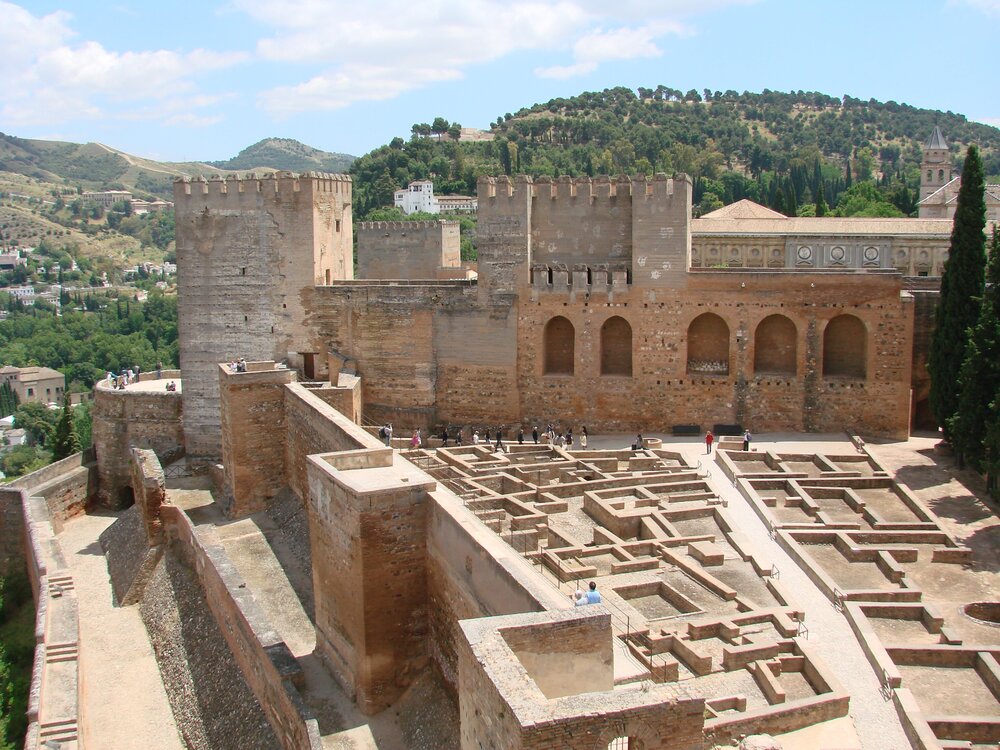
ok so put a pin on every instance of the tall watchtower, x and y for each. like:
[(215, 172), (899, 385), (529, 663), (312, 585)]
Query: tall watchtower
[(935, 169), (246, 249)]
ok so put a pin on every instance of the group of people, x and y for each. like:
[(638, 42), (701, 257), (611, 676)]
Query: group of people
[(124, 378), (710, 439), (238, 365)]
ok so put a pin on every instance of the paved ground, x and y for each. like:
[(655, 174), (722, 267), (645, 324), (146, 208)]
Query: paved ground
[(123, 703)]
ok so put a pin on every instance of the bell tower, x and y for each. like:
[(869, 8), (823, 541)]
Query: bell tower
[(935, 169)]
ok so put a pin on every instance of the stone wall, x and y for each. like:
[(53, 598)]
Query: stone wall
[(367, 532), (472, 573), (407, 249), (315, 427), (501, 705), (128, 419), (245, 251), (264, 660), (252, 411)]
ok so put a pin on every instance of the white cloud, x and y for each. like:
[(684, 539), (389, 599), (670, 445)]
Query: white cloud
[(602, 46), (990, 7), (49, 77), (379, 50)]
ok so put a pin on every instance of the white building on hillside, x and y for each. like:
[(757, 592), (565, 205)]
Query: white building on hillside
[(419, 196)]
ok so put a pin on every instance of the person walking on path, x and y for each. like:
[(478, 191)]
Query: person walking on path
[(583, 437), (709, 439), (746, 440), (534, 434), (444, 437), (593, 596), (520, 436), (415, 440)]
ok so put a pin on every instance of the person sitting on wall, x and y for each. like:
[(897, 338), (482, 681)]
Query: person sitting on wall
[(241, 365), (579, 597), (593, 596)]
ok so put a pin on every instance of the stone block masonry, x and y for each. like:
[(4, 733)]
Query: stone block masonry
[(407, 249), (246, 249)]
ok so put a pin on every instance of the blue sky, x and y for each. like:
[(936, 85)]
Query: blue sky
[(201, 80)]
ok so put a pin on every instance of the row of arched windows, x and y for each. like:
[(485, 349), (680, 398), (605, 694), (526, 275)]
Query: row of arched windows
[(775, 347)]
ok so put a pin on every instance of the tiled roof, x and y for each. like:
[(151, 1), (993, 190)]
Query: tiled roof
[(744, 209), (936, 140)]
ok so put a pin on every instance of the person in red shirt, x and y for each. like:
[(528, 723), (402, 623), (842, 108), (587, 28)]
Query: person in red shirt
[(709, 439)]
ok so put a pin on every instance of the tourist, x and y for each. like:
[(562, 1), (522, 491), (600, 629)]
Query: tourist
[(388, 434), (159, 370), (746, 440), (458, 437), (520, 436), (561, 440), (637, 445), (579, 597), (415, 440), (534, 434), (499, 441), (593, 596), (709, 439), (444, 437), (383, 434), (569, 438), (475, 437), (241, 365), (129, 376), (583, 437)]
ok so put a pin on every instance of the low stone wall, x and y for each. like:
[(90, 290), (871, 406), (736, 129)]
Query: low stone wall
[(267, 665), (67, 486)]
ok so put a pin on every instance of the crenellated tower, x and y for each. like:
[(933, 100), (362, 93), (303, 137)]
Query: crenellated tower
[(246, 250)]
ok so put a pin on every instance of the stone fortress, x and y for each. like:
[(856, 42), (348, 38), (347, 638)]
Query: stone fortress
[(282, 579)]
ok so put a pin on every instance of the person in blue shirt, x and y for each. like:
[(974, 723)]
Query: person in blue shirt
[(593, 596)]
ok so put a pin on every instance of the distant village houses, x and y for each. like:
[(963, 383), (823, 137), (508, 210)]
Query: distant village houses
[(107, 198)]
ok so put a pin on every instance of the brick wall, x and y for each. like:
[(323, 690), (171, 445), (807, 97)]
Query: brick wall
[(407, 249)]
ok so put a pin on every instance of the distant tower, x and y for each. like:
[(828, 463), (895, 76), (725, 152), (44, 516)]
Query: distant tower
[(935, 169)]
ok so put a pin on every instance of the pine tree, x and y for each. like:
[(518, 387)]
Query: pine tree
[(961, 293), (66, 442), (979, 379)]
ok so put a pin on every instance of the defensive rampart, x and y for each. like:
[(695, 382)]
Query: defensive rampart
[(133, 418)]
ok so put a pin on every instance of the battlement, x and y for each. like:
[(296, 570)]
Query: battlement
[(396, 226), (582, 188), (234, 187)]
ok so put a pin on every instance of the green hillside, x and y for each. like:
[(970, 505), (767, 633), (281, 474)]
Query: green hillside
[(772, 147), (286, 154), (94, 166)]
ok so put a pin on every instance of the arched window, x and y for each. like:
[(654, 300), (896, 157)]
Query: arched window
[(708, 345), (559, 347), (616, 347), (775, 346), (941, 175), (845, 348)]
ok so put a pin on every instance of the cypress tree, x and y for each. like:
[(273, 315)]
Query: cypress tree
[(847, 176), (66, 441), (961, 293), (979, 378), (821, 206)]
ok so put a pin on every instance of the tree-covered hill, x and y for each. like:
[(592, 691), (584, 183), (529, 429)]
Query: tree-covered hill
[(287, 154), (782, 149)]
